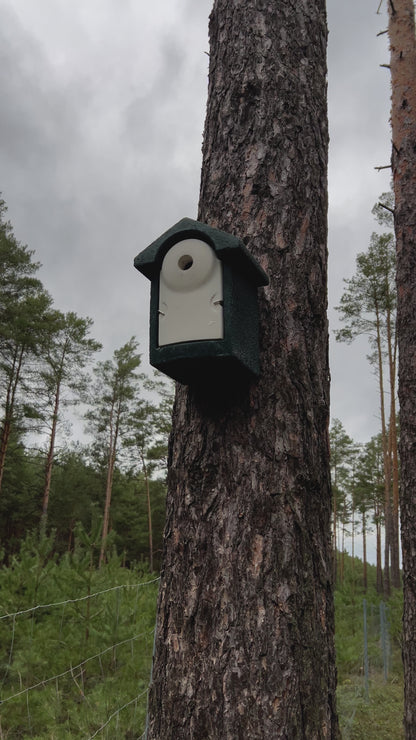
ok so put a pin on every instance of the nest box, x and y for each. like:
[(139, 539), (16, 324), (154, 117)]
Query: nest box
[(204, 321)]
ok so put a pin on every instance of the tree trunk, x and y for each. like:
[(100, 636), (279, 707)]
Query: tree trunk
[(364, 526), (244, 641), (334, 535), (9, 408), (386, 466), (49, 461), (393, 457), (403, 121), (379, 578), (112, 453), (395, 536), (107, 505), (149, 512)]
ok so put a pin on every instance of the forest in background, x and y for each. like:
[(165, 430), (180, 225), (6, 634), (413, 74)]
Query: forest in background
[(50, 372), (90, 515), (365, 477)]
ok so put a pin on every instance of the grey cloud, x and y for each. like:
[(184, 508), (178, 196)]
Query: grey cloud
[(100, 152)]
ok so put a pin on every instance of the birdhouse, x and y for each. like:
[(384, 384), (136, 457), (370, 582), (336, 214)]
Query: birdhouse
[(204, 321)]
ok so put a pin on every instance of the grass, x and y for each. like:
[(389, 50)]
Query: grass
[(378, 713), (379, 717), (61, 641), (76, 668)]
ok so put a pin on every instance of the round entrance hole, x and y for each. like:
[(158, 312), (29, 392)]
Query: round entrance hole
[(185, 262)]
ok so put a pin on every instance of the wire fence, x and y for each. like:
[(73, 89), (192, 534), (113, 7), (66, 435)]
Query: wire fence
[(376, 641), (78, 667)]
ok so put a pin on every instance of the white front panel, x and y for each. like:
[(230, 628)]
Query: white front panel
[(190, 294)]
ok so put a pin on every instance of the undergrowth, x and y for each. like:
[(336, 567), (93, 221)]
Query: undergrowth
[(67, 667), (373, 708), (79, 667)]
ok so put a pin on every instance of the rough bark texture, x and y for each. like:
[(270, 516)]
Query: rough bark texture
[(244, 642), (403, 119)]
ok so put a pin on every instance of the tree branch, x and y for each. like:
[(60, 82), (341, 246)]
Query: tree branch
[(387, 66), (383, 167), (393, 9), (383, 205), (380, 33)]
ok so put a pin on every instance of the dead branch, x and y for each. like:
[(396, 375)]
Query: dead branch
[(383, 205), (383, 167), (380, 33), (387, 66)]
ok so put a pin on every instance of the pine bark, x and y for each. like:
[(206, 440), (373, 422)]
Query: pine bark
[(244, 641), (403, 121)]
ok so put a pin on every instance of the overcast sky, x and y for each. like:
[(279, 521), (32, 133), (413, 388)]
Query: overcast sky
[(102, 106)]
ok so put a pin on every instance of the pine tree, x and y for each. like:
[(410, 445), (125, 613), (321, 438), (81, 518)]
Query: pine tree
[(368, 494), (342, 452), (116, 387), (403, 123), (245, 613), (149, 428), (67, 353), (368, 306)]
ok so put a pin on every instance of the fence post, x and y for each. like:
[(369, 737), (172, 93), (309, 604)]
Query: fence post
[(384, 639), (365, 649)]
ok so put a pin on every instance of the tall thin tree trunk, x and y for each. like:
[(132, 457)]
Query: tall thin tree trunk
[(393, 458), (107, 505), (4, 443), (49, 461), (149, 512), (364, 528), (112, 451), (334, 536), (9, 409), (386, 466), (403, 121), (244, 640), (353, 534), (395, 536), (379, 571)]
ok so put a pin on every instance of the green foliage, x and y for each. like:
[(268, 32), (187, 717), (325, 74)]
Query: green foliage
[(44, 357), (90, 657), (117, 384), (129, 517), (20, 500), (87, 657), (369, 298), (380, 717), (380, 714), (61, 378), (369, 484), (76, 496), (383, 210)]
